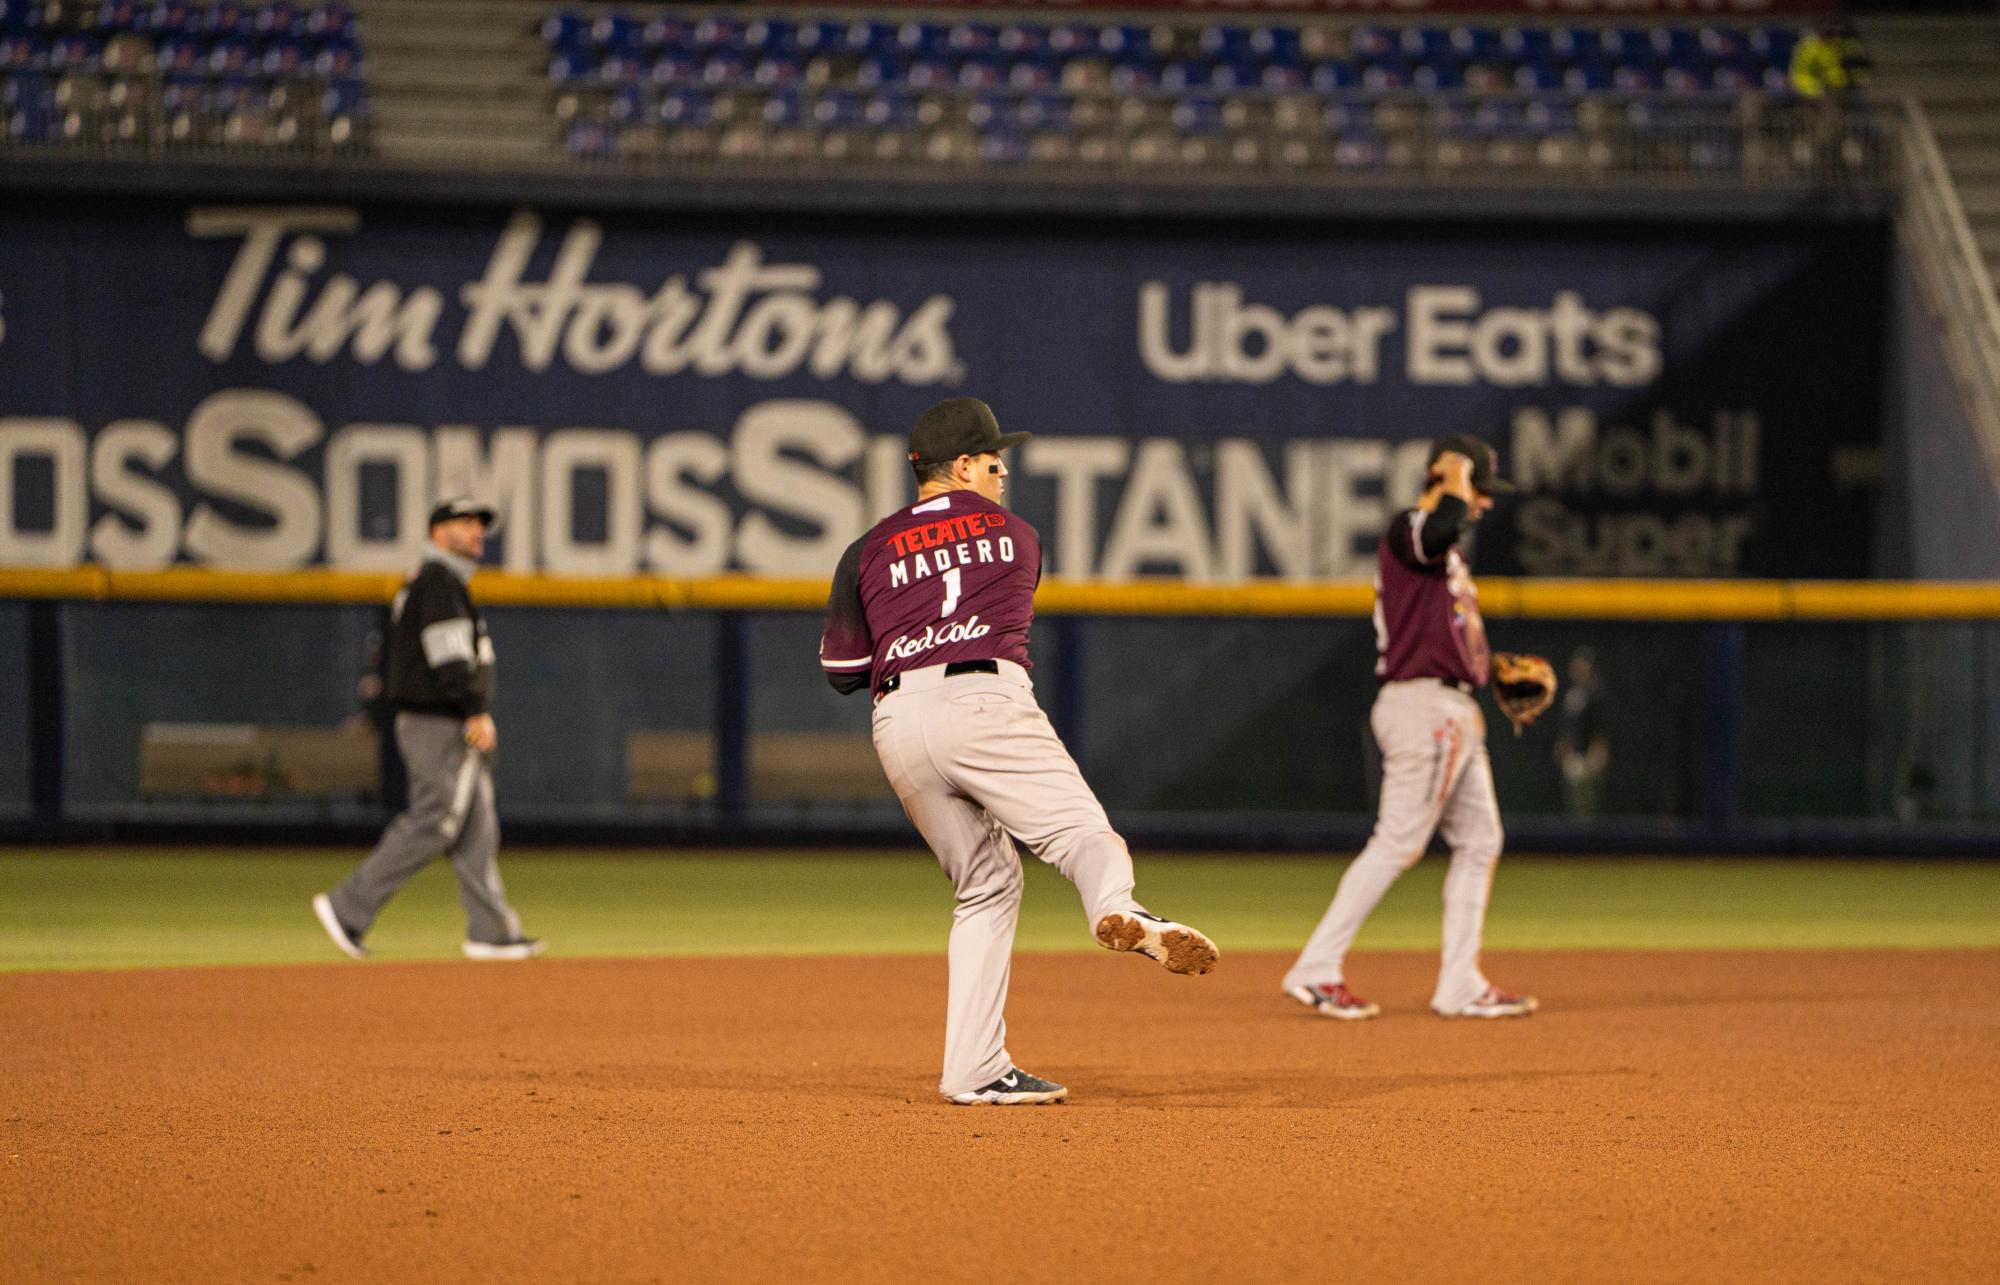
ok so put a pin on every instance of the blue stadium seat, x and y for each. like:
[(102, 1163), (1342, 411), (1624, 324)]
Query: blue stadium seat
[(1024, 38), (1527, 44), (1277, 45), (777, 70), (567, 29), (1045, 113), (965, 38), (73, 51), (230, 56), (1135, 72), (278, 18), (687, 109), (768, 36), (876, 38), (1184, 75), (993, 111), (822, 37), (979, 73), (1334, 77), (720, 34), (783, 110), (891, 111), (620, 66), (1125, 42), (1281, 78), (838, 109), (921, 40), (929, 73), (1034, 71), (591, 140), (724, 68), (331, 21), (1003, 148), (1072, 38), (674, 67), (1373, 42), (879, 69)]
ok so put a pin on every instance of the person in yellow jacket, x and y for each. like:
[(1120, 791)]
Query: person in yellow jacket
[(1829, 61)]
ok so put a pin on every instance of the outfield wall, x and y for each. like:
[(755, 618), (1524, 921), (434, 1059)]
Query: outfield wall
[(683, 418), (288, 387)]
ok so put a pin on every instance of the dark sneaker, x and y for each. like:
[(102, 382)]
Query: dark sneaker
[(519, 948), (1333, 999), (1015, 1089), (1495, 1003), (342, 936), (1178, 948)]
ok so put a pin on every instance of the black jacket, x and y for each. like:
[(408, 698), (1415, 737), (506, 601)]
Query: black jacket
[(440, 658)]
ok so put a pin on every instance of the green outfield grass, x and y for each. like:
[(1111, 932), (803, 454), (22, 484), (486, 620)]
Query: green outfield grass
[(132, 908)]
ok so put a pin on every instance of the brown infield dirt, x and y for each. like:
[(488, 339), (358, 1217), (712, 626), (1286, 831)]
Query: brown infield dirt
[(1688, 1117)]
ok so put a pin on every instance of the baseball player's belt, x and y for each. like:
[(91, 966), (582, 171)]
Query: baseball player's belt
[(1456, 684), (952, 670)]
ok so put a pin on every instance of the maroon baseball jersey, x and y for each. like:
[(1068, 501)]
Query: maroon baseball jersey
[(949, 578), (1427, 621)]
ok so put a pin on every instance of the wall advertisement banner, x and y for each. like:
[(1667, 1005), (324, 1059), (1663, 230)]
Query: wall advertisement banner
[(284, 388)]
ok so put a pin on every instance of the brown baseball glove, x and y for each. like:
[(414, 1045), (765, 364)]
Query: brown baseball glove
[(1523, 686)]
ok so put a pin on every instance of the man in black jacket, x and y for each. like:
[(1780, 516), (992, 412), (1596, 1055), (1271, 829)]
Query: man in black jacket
[(441, 685)]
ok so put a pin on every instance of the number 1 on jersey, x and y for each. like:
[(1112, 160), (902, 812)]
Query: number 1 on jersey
[(952, 580)]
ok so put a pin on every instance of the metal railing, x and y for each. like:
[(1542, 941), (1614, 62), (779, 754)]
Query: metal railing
[(1746, 141), (1956, 282)]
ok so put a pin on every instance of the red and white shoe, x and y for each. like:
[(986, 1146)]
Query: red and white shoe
[(1495, 1003), (1333, 999)]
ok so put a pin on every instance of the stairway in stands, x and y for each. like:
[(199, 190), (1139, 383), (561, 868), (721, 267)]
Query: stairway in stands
[(458, 84), (1952, 67)]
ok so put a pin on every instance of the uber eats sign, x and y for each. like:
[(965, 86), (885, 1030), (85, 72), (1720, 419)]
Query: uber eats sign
[(283, 388)]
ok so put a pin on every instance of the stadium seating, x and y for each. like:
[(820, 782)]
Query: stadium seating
[(1173, 94), (174, 75)]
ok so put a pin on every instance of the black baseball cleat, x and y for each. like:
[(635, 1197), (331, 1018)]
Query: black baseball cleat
[(518, 948), (1177, 947), (1015, 1089), (341, 935)]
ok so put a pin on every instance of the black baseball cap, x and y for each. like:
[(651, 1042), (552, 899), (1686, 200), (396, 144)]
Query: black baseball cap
[(1485, 461), (461, 506), (961, 426)]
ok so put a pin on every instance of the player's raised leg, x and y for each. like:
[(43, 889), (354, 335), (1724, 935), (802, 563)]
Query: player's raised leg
[(1011, 760), (1423, 738)]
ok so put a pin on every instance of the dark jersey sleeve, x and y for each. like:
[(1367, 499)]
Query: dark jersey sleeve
[(846, 649), (1419, 539), (446, 638)]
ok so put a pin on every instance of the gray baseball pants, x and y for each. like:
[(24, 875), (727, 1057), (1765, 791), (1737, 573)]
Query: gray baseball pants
[(1435, 776), (450, 814), (976, 764)]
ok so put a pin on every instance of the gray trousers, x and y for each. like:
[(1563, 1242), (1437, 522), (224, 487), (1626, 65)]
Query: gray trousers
[(976, 764), (1435, 776), (450, 814)]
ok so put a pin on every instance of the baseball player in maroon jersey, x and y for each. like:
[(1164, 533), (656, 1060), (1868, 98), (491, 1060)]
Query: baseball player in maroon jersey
[(930, 613), (1432, 659)]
